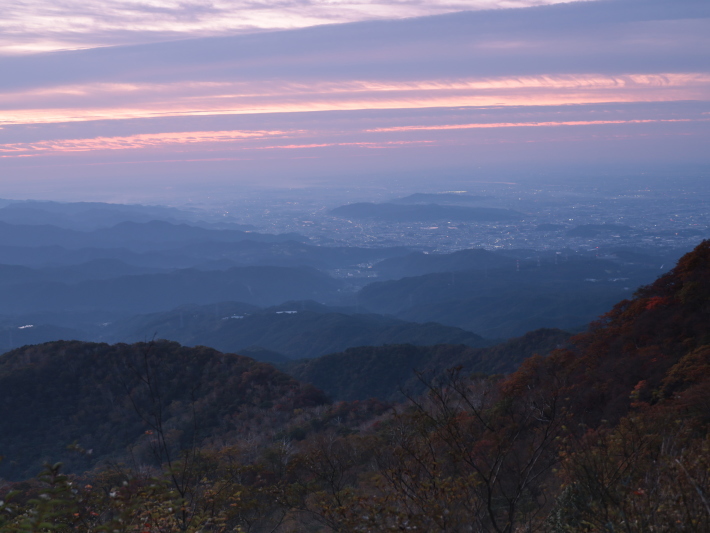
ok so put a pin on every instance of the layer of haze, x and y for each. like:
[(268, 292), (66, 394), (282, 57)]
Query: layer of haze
[(603, 83)]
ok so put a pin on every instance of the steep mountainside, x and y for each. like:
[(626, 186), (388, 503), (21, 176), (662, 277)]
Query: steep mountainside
[(654, 346)]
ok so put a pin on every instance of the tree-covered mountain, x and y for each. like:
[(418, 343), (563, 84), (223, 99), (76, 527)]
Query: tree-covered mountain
[(297, 329), (564, 293), (100, 397), (388, 372)]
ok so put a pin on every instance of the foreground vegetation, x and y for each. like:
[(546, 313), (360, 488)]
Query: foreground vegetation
[(606, 434)]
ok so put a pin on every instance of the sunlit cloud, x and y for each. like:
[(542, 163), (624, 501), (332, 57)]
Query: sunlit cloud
[(44, 25), (183, 140), (138, 141), (254, 140), (441, 127), (133, 101)]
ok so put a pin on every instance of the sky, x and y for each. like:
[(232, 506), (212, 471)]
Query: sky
[(126, 100)]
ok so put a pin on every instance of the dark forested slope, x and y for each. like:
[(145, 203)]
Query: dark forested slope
[(104, 398), (385, 372)]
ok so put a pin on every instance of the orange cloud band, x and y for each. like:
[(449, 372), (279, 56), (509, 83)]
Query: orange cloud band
[(253, 140), (531, 124), (130, 101), (145, 140)]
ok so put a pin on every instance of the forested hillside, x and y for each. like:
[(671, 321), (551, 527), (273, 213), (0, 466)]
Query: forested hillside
[(100, 398), (294, 329), (506, 301), (393, 371), (607, 433)]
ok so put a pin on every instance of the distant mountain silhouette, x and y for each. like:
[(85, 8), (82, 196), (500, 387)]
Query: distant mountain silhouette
[(425, 213), (507, 302), (440, 198), (94, 269), (297, 330), (131, 235), (263, 286), (87, 215), (15, 334), (204, 254)]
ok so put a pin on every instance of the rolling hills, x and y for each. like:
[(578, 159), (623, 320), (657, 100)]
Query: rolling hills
[(607, 432), (296, 329)]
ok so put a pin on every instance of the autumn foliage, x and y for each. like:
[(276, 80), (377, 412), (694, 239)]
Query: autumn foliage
[(607, 434)]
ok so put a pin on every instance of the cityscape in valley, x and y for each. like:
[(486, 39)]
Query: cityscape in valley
[(543, 216), (338, 267)]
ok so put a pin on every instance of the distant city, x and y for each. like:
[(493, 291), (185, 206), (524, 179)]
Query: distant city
[(585, 220)]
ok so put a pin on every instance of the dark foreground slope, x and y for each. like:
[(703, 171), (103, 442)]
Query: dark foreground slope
[(104, 398)]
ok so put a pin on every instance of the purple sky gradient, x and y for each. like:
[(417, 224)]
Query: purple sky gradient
[(608, 82)]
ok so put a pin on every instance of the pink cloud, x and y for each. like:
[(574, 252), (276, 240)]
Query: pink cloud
[(530, 124), (90, 102), (139, 141)]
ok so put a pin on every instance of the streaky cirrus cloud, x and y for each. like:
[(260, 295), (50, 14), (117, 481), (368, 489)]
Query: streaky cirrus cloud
[(44, 25), (122, 102), (254, 140), (604, 36)]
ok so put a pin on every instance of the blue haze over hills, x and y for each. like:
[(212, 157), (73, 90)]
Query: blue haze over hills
[(303, 274)]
